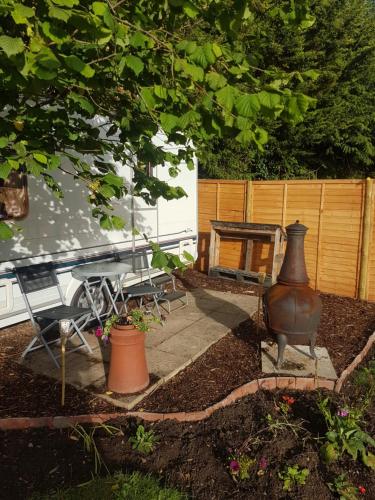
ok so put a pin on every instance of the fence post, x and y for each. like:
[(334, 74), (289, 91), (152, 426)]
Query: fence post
[(366, 240), (249, 201)]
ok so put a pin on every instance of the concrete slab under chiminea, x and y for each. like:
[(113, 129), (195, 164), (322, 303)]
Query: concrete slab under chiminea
[(297, 361)]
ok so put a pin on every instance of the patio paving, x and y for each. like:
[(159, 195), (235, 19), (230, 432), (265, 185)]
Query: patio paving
[(187, 333)]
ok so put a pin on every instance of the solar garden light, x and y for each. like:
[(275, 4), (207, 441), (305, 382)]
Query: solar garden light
[(64, 329), (261, 280)]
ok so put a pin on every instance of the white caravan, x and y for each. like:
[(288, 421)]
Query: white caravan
[(64, 232)]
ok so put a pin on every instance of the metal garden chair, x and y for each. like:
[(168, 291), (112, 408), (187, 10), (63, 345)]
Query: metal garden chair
[(173, 295), (42, 277), (145, 289)]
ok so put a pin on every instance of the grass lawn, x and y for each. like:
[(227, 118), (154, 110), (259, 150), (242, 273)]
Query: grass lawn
[(120, 486)]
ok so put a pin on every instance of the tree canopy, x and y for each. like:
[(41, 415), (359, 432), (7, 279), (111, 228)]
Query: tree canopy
[(336, 139), (86, 81)]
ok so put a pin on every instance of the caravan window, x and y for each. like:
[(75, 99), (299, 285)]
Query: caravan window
[(14, 198)]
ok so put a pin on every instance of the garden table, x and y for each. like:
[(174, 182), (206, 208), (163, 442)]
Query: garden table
[(103, 271)]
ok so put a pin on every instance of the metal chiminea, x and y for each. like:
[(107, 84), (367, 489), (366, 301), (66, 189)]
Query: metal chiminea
[(291, 308)]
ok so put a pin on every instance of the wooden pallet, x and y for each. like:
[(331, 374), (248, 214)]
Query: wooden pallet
[(237, 275)]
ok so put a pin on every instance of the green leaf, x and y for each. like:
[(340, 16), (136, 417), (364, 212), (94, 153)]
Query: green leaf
[(245, 137), (187, 46), (111, 222), (168, 122), (107, 191), (6, 233), (83, 103), (76, 64), (4, 141), (269, 100), (190, 9), (99, 8), (47, 59), (196, 73), (134, 63), (21, 13), (55, 33), (33, 167), (215, 80), (60, 14), (312, 74), (139, 40), (147, 96), (248, 105), (161, 92), (11, 46), (44, 74), (66, 3), (226, 96), (331, 436), (19, 148), (54, 162), (188, 256), (217, 50), (159, 260), (203, 55), (188, 118), (113, 180), (368, 459), (41, 158), (5, 169)]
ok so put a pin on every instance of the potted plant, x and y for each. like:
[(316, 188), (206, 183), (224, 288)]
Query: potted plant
[(128, 372)]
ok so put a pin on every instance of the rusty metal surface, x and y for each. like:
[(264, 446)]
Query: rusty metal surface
[(291, 308)]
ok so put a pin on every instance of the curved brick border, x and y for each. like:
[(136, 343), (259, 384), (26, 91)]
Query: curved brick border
[(353, 365), (269, 384)]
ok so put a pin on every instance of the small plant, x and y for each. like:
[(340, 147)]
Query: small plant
[(345, 489), (293, 475), (143, 441), (365, 376), (240, 465), (262, 466), (89, 445), (140, 319), (345, 435), (285, 405), (142, 487)]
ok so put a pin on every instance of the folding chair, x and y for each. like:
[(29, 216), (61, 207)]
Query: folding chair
[(41, 277), (144, 289), (174, 294)]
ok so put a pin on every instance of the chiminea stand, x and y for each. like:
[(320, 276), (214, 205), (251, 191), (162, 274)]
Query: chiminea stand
[(267, 233)]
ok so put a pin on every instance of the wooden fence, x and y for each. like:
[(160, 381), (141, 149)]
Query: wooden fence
[(338, 213)]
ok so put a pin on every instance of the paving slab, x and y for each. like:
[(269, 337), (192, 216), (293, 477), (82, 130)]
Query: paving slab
[(186, 334), (297, 361)]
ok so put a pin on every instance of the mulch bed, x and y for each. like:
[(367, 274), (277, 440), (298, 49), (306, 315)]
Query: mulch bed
[(345, 327), (193, 457)]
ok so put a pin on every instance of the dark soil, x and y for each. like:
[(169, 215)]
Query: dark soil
[(193, 457), (345, 327)]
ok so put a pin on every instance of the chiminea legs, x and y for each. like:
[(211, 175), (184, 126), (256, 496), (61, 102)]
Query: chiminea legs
[(282, 341), (312, 345)]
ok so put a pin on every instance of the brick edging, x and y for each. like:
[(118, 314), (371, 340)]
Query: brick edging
[(268, 383), (356, 361)]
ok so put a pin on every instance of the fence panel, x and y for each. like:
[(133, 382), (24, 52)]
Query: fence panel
[(333, 210)]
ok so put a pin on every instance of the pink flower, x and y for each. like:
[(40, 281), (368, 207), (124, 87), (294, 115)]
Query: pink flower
[(234, 466), (263, 463), (342, 413), (99, 331)]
